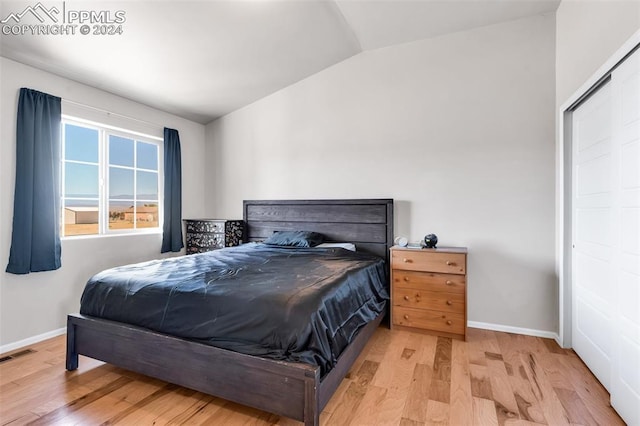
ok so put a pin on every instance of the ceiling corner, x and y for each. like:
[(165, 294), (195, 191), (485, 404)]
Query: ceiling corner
[(342, 19)]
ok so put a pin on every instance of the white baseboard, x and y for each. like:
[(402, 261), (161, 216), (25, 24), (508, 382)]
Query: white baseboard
[(515, 330), (31, 340)]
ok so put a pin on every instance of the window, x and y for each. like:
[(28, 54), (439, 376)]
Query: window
[(110, 180)]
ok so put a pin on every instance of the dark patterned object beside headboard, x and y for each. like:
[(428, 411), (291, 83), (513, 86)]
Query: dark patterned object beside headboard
[(366, 223)]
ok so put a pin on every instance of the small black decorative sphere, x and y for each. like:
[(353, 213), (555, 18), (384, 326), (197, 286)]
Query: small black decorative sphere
[(430, 240)]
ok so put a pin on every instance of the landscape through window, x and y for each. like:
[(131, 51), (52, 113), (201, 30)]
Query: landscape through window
[(110, 181)]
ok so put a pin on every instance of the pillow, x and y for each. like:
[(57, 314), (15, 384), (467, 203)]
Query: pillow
[(295, 239), (346, 246)]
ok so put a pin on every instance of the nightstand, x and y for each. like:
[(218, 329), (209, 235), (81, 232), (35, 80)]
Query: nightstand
[(429, 290), (210, 234)]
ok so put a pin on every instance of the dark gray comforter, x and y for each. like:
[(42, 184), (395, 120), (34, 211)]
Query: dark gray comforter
[(295, 304)]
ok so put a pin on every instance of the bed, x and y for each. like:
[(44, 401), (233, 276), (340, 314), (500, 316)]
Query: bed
[(292, 389)]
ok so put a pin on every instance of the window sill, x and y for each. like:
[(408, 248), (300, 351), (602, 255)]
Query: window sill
[(124, 234)]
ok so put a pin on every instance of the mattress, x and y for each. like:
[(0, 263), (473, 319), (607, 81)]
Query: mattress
[(295, 304)]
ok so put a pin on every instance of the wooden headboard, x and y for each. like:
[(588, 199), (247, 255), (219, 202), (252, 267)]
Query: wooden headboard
[(366, 223)]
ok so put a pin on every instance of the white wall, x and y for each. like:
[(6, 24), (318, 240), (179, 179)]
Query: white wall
[(459, 130), (39, 302), (588, 32)]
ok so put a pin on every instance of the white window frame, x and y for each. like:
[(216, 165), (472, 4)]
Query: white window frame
[(104, 131)]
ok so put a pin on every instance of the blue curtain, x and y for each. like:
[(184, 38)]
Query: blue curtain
[(35, 239), (172, 229)]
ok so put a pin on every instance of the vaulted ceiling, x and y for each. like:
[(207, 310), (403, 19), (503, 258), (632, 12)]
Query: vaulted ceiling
[(203, 59)]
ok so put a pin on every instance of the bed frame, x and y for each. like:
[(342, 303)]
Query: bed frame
[(289, 389)]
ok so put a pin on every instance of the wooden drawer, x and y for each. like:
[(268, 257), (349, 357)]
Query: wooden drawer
[(429, 320), (415, 260), (202, 242), (450, 283), (205, 226), (423, 299)]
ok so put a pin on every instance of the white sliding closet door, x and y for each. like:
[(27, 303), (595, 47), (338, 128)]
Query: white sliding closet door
[(593, 240), (606, 236), (625, 377)]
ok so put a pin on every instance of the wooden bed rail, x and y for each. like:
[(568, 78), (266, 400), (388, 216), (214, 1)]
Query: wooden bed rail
[(275, 386), (285, 388)]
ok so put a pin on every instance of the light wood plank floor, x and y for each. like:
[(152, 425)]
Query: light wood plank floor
[(401, 378)]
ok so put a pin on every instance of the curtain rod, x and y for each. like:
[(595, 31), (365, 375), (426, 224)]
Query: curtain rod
[(113, 113)]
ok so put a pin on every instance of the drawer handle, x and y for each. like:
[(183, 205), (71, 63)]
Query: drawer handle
[(406, 298), (406, 279), (450, 263), (406, 317), (449, 302), (405, 260), (449, 322), (449, 282)]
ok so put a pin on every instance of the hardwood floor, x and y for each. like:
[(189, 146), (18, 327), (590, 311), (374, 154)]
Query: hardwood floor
[(401, 378)]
